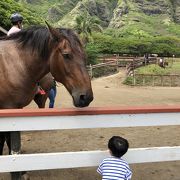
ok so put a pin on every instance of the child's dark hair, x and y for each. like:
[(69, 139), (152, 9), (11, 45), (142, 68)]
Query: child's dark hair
[(118, 146)]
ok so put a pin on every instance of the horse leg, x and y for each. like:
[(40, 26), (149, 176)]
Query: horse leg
[(13, 140), (6, 136), (40, 100), (8, 141), (2, 140)]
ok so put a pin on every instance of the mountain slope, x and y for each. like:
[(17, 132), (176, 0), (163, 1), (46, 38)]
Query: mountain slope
[(126, 17)]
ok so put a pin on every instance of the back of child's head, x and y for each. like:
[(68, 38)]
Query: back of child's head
[(118, 146)]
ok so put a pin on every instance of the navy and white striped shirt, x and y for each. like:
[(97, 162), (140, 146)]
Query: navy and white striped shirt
[(113, 168)]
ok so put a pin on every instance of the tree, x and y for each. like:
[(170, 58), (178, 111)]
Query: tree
[(85, 24), (8, 7)]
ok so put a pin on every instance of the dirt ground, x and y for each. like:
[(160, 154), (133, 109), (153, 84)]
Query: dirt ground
[(108, 91)]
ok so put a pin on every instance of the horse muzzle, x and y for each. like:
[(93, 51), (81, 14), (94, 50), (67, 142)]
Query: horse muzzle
[(82, 99)]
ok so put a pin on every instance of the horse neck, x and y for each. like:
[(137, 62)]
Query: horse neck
[(36, 66)]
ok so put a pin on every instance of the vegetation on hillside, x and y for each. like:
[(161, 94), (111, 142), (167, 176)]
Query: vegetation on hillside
[(8, 7), (129, 27), (84, 27), (162, 45)]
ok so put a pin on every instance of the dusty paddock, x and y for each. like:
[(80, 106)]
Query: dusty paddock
[(108, 92)]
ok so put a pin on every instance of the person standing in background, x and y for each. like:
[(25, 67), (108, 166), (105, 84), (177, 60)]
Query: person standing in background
[(52, 94)]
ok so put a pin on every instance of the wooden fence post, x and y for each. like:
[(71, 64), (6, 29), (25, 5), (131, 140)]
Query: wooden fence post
[(162, 80), (171, 82), (117, 67), (153, 80), (134, 79), (91, 71), (144, 80)]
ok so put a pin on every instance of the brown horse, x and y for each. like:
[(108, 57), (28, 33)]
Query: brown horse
[(46, 83), (27, 56)]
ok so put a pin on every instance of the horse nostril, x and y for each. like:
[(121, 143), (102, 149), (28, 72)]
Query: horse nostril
[(82, 100), (82, 97)]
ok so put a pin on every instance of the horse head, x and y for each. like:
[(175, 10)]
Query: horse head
[(68, 65)]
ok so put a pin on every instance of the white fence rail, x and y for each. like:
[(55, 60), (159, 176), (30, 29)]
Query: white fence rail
[(53, 119), (44, 161)]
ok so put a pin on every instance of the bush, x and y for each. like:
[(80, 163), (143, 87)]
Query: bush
[(8, 7), (92, 54), (128, 80), (163, 46)]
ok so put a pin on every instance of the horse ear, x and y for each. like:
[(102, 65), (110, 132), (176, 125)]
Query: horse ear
[(55, 35)]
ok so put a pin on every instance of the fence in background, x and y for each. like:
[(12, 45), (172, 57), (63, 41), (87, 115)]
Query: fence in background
[(115, 62), (171, 80)]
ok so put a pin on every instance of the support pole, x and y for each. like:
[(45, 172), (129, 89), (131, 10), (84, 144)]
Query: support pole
[(15, 138)]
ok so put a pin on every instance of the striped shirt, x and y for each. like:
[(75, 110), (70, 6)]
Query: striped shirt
[(113, 168)]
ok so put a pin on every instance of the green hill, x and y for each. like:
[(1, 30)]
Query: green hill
[(132, 17), (130, 26), (7, 7), (127, 17)]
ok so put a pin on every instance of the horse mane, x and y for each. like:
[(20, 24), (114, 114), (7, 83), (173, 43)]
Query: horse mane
[(37, 39), (34, 38)]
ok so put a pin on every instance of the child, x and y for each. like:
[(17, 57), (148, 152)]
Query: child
[(115, 167), (16, 20)]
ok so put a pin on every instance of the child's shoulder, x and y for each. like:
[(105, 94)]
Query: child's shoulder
[(113, 159)]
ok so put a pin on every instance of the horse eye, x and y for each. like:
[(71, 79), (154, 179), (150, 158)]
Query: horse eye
[(66, 56)]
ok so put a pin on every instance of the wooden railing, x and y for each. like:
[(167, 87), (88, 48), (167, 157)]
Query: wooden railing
[(156, 80)]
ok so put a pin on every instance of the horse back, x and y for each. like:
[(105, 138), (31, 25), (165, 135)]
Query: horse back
[(15, 92)]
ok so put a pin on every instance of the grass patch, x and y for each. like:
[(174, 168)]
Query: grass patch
[(153, 75)]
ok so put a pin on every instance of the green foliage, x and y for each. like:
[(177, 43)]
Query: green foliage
[(92, 54), (163, 46), (154, 70), (137, 33), (128, 80), (85, 24), (8, 7)]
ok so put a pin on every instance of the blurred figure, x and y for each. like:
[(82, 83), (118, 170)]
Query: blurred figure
[(17, 21), (52, 94)]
